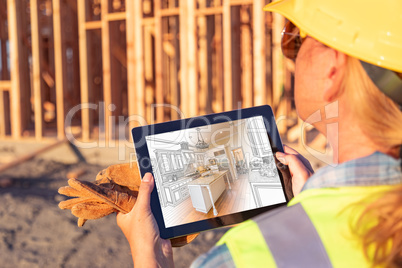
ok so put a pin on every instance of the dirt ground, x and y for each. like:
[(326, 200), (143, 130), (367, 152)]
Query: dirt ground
[(34, 232)]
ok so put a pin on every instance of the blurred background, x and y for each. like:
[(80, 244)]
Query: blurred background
[(76, 76), (154, 60)]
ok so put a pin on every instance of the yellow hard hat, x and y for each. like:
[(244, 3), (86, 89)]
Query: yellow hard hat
[(365, 29)]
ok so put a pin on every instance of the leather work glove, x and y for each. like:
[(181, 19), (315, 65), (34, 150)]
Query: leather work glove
[(115, 189)]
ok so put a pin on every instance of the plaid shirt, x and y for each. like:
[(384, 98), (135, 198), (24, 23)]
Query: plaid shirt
[(375, 169)]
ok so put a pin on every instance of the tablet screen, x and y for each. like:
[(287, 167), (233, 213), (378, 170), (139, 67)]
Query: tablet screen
[(214, 170)]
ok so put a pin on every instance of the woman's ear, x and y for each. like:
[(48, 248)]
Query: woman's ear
[(334, 75)]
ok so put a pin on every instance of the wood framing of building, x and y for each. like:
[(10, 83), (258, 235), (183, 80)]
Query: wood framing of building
[(94, 69)]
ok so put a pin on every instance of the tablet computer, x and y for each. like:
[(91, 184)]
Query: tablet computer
[(212, 171)]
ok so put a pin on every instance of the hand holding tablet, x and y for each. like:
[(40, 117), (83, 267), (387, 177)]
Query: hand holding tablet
[(212, 171)]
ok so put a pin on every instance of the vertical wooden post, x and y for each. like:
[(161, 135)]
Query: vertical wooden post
[(106, 65), (192, 82), (74, 86), (174, 63), (15, 113), (159, 94), (219, 77), (188, 68), (86, 118), (259, 53), (184, 93), (277, 58), (246, 59), (227, 56), (135, 60), (116, 83), (36, 69), (164, 61), (148, 72), (59, 68), (203, 59), (268, 59), (20, 88)]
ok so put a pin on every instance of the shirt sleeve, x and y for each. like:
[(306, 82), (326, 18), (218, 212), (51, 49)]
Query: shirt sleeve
[(217, 257)]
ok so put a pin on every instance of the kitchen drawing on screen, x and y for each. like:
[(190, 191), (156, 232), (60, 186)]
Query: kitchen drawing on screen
[(214, 170)]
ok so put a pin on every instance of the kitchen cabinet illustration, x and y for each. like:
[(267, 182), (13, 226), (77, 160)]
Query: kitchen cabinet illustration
[(199, 159), (171, 181), (188, 156), (258, 137), (177, 191), (158, 182)]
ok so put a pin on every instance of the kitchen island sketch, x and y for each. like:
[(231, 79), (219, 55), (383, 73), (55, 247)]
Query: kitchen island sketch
[(205, 191), (214, 170)]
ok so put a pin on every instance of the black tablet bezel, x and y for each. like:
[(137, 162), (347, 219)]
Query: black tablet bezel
[(143, 161)]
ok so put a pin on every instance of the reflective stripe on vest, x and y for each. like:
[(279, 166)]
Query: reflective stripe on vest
[(314, 231), (299, 235)]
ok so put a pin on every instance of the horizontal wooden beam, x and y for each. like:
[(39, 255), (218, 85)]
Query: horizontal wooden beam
[(5, 85), (91, 25), (241, 2), (204, 11), (170, 12), (209, 11), (115, 16)]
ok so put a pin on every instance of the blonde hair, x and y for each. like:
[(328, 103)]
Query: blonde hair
[(381, 120), (379, 117), (383, 239)]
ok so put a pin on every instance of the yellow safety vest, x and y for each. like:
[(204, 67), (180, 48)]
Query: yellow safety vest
[(313, 231)]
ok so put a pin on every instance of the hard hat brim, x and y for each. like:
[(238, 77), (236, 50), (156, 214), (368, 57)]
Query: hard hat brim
[(380, 45)]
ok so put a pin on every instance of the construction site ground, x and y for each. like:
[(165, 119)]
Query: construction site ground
[(34, 232)]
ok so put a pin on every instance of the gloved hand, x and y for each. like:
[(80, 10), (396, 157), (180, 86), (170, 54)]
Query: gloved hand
[(114, 190)]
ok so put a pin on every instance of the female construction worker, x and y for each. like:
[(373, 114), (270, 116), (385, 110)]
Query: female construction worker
[(347, 53)]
